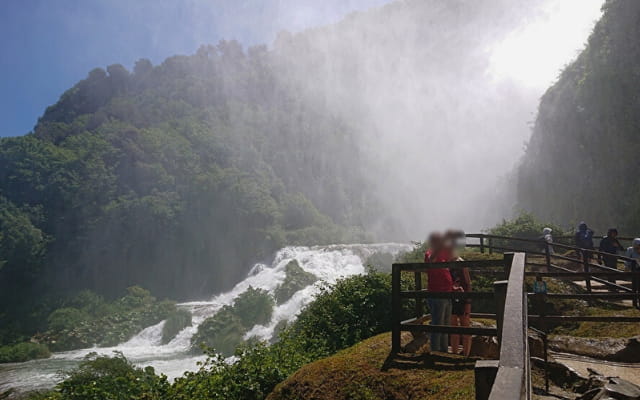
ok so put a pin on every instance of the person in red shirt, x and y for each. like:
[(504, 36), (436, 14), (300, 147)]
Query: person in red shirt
[(439, 280)]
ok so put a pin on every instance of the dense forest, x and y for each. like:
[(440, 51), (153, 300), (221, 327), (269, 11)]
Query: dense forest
[(175, 177), (178, 177), (582, 159)]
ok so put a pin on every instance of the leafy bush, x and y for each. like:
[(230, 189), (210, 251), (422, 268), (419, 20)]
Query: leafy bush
[(176, 321), (225, 330), (23, 351), (380, 261), (296, 279), (102, 377), (525, 225), (92, 321), (67, 318), (253, 307), (343, 314), (258, 369)]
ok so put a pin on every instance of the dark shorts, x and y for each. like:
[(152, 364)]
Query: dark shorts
[(457, 307)]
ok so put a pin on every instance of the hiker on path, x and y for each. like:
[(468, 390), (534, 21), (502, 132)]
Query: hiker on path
[(584, 240), (633, 252), (439, 280), (548, 239), (610, 245)]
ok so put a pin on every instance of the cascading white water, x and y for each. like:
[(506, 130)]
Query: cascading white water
[(328, 263)]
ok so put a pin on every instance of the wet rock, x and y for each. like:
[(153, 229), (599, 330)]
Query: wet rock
[(614, 389), (485, 347), (622, 350), (414, 342), (536, 345), (563, 375)]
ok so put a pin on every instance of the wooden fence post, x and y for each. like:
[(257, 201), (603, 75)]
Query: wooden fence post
[(396, 309), (490, 245), (481, 244), (547, 255), (635, 283), (500, 293), (508, 260), (585, 267), (419, 304)]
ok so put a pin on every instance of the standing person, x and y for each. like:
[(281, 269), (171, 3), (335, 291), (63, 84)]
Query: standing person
[(584, 239), (610, 245), (439, 280), (548, 239), (461, 310), (633, 252)]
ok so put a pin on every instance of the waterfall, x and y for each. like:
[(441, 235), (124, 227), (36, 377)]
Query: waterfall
[(328, 263)]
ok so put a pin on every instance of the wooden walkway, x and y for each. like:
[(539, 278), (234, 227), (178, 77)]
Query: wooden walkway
[(509, 377)]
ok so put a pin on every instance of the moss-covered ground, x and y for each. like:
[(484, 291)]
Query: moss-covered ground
[(366, 371)]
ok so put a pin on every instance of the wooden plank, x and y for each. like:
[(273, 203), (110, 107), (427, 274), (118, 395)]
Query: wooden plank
[(584, 318), (509, 384), (617, 275), (512, 380), (412, 267), (396, 309), (590, 296), (425, 294), (424, 318), (461, 330)]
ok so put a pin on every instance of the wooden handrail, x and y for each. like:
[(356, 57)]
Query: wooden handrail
[(538, 242), (513, 380)]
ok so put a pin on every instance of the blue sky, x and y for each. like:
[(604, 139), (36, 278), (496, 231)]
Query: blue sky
[(48, 45)]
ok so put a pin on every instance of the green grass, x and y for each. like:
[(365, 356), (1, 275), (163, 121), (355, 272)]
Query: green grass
[(366, 372)]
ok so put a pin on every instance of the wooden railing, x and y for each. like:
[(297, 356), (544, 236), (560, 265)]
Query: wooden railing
[(583, 258), (511, 373), (513, 379), (509, 377)]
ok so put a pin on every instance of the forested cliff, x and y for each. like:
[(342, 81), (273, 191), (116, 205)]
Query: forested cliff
[(176, 177), (582, 161)]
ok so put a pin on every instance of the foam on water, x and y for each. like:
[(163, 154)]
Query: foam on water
[(328, 263)]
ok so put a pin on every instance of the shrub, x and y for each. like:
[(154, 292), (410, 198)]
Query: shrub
[(223, 332), (23, 352), (101, 323), (296, 279), (526, 226), (67, 318), (380, 261), (102, 377), (253, 307), (258, 369), (175, 322), (343, 314)]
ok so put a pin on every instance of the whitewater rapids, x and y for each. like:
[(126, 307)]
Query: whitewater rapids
[(328, 263)]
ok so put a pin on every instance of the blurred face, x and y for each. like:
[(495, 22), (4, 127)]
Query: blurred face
[(614, 234), (435, 241)]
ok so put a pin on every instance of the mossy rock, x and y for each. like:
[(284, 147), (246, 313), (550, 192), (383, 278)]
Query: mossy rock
[(177, 321), (253, 307), (223, 332), (296, 279), (365, 371)]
